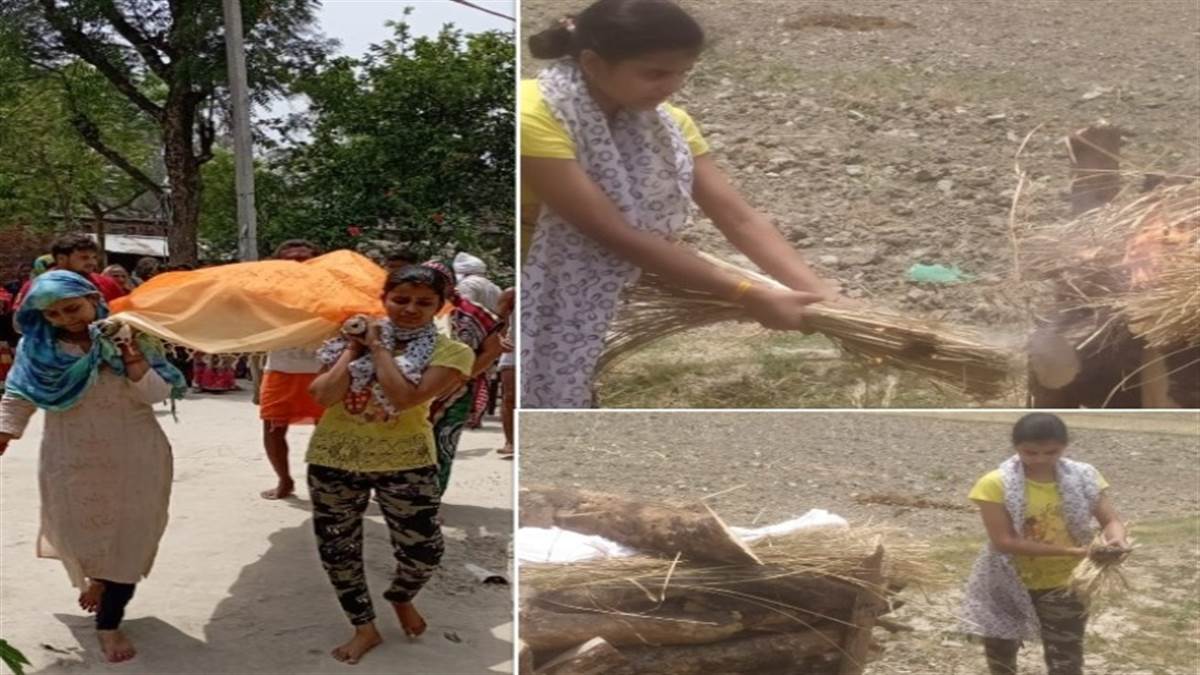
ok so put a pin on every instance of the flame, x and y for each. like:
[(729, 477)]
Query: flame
[(1153, 237)]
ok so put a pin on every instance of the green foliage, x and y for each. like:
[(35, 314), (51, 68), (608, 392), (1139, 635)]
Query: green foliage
[(413, 144), (13, 658), (179, 44), (218, 209), (166, 61), (45, 167)]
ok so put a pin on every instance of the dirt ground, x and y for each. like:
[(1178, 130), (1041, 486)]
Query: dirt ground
[(877, 149), (237, 586), (768, 467)]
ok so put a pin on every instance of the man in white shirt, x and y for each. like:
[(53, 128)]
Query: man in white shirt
[(283, 397)]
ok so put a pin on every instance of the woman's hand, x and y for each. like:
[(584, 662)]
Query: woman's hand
[(374, 336), (358, 345), (130, 352), (136, 365), (779, 308), (1108, 553), (1119, 543)]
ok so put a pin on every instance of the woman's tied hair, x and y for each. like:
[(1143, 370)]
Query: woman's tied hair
[(620, 29), (419, 275), (1040, 426)]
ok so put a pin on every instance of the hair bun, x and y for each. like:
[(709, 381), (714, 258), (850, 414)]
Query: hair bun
[(552, 43)]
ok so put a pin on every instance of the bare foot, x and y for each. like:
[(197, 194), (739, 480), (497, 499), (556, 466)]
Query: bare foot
[(116, 646), (89, 599), (284, 490), (366, 638), (410, 619), (507, 450)]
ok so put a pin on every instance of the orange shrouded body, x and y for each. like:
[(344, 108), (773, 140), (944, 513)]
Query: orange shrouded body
[(256, 306)]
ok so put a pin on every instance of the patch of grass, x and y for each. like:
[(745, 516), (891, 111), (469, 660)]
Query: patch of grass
[(1150, 629), (864, 87), (1176, 423), (957, 553), (738, 366), (1168, 532)]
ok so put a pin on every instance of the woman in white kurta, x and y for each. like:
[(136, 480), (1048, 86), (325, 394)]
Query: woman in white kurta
[(105, 470)]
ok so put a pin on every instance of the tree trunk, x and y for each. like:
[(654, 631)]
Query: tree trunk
[(183, 175), (101, 235), (866, 609), (696, 533), (594, 657), (548, 631), (1095, 154), (751, 655)]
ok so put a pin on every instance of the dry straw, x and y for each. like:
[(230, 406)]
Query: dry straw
[(1099, 576), (1138, 262), (834, 553), (953, 356)]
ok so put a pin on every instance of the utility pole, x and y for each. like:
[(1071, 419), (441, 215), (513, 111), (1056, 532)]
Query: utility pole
[(235, 54)]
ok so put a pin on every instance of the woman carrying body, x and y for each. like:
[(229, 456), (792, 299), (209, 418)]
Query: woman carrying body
[(375, 436), (105, 470)]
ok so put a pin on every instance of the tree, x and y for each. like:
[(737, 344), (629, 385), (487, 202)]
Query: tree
[(47, 172), (167, 59), (218, 213), (414, 143)]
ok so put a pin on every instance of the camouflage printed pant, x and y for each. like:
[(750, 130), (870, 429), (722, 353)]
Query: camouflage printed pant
[(409, 501), (1063, 619)]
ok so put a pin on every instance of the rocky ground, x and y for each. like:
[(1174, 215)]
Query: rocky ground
[(911, 470), (878, 149)]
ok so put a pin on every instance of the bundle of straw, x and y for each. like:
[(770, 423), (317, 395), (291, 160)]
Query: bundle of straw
[(827, 552), (952, 356), (1167, 315), (1139, 262), (1099, 575)]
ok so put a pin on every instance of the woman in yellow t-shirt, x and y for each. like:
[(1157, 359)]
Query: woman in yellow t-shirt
[(1038, 510), (609, 172), (375, 436)]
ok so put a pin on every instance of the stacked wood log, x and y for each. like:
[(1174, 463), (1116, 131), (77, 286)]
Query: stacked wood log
[(695, 600)]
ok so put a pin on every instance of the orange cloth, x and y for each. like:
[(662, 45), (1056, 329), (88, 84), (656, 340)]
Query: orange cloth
[(284, 398), (256, 306)]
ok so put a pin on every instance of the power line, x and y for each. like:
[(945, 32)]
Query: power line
[(483, 9)]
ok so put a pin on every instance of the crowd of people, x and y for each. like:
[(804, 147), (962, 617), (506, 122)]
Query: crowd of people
[(390, 406)]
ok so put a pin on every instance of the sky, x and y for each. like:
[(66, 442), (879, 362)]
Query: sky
[(357, 24)]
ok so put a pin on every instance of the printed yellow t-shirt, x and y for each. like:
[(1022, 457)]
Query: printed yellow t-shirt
[(372, 442), (1044, 523), (543, 136)]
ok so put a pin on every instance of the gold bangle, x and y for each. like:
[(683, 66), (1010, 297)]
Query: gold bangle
[(743, 287)]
